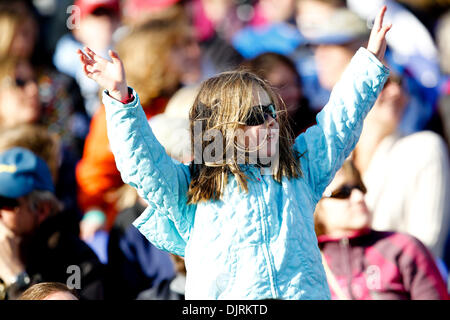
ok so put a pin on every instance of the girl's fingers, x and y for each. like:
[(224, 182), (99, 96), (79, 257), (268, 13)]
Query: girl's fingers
[(93, 55), (90, 53), (384, 30), (379, 19), (114, 57)]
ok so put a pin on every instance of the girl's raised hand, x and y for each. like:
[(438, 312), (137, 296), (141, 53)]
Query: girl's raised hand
[(108, 74), (377, 40)]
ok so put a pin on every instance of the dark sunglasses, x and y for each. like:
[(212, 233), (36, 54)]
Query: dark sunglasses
[(345, 191), (394, 79), (259, 114), (22, 83), (8, 203)]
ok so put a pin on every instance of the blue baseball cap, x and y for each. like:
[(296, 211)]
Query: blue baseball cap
[(343, 26), (21, 172)]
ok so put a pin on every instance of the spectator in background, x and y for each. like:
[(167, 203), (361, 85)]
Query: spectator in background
[(363, 264), (274, 30), (442, 36), (215, 22), (34, 248), (282, 74), (407, 175), (413, 48), (49, 291), (136, 12), (61, 104), (20, 105), (19, 93), (94, 26), (172, 289), (47, 146), (311, 14), (157, 56), (335, 41)]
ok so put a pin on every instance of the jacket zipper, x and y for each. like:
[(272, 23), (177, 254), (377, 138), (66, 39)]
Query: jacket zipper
[(266, 240), (345, 246)]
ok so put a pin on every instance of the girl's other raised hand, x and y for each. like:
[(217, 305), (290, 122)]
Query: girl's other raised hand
[(108, 74), (377, 40)]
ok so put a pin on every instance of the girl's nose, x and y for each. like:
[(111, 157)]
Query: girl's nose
[(356, 195), (270, 121)]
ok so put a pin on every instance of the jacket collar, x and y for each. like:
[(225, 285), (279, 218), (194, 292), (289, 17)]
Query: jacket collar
[(352, 235)]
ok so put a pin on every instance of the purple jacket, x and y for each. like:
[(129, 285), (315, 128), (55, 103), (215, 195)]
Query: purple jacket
[(382, 265)]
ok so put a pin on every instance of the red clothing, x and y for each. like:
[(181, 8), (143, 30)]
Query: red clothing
[(96, 173), (383, 266)]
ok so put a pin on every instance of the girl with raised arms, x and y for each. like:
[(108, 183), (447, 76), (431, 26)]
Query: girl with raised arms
[(244, 233)]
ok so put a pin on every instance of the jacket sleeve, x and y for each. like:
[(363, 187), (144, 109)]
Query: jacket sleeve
[(326, 145), (161, 181)]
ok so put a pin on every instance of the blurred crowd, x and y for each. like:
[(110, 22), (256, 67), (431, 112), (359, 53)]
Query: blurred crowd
[(65, 212)]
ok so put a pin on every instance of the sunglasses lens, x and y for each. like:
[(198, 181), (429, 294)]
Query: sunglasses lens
[(345, 191), (259, 115), (20, 83), (342, 193)]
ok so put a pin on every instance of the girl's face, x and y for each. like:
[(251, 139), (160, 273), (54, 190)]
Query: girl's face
[(262, 140), (345, 211), (19, 98)]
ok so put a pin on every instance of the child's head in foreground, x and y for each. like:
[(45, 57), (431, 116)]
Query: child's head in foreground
[(237, 120)]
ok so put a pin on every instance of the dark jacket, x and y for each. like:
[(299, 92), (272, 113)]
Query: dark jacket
[(382, 265), (134, 264), (55, 254)]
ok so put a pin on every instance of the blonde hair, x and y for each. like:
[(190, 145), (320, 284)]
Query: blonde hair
[(42, 290), (146, 55), (9, 21), (224, 103)]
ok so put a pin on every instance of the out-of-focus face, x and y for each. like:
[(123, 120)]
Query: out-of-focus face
[(345, 215), (310, 14), (331, 62), (19, 219), (216, 10), (24, 39), (390, 105), (264, 137), (277, 10), (285, 81), (96, 29), (19, 97), (186, 59)]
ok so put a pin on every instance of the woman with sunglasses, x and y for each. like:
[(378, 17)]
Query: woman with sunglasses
[(242, 212), (19, 93), (364, 264)]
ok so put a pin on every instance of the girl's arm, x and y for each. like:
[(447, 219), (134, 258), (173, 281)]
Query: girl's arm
[(142, 161), (326, 145)]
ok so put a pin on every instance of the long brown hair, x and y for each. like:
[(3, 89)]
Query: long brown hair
[(224, 103)]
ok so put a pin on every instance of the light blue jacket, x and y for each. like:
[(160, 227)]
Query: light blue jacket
[(255, 245)]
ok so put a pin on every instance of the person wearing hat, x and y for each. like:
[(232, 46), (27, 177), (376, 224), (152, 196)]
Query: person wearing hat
[(407, 175), (33, 245), (335, 42)]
